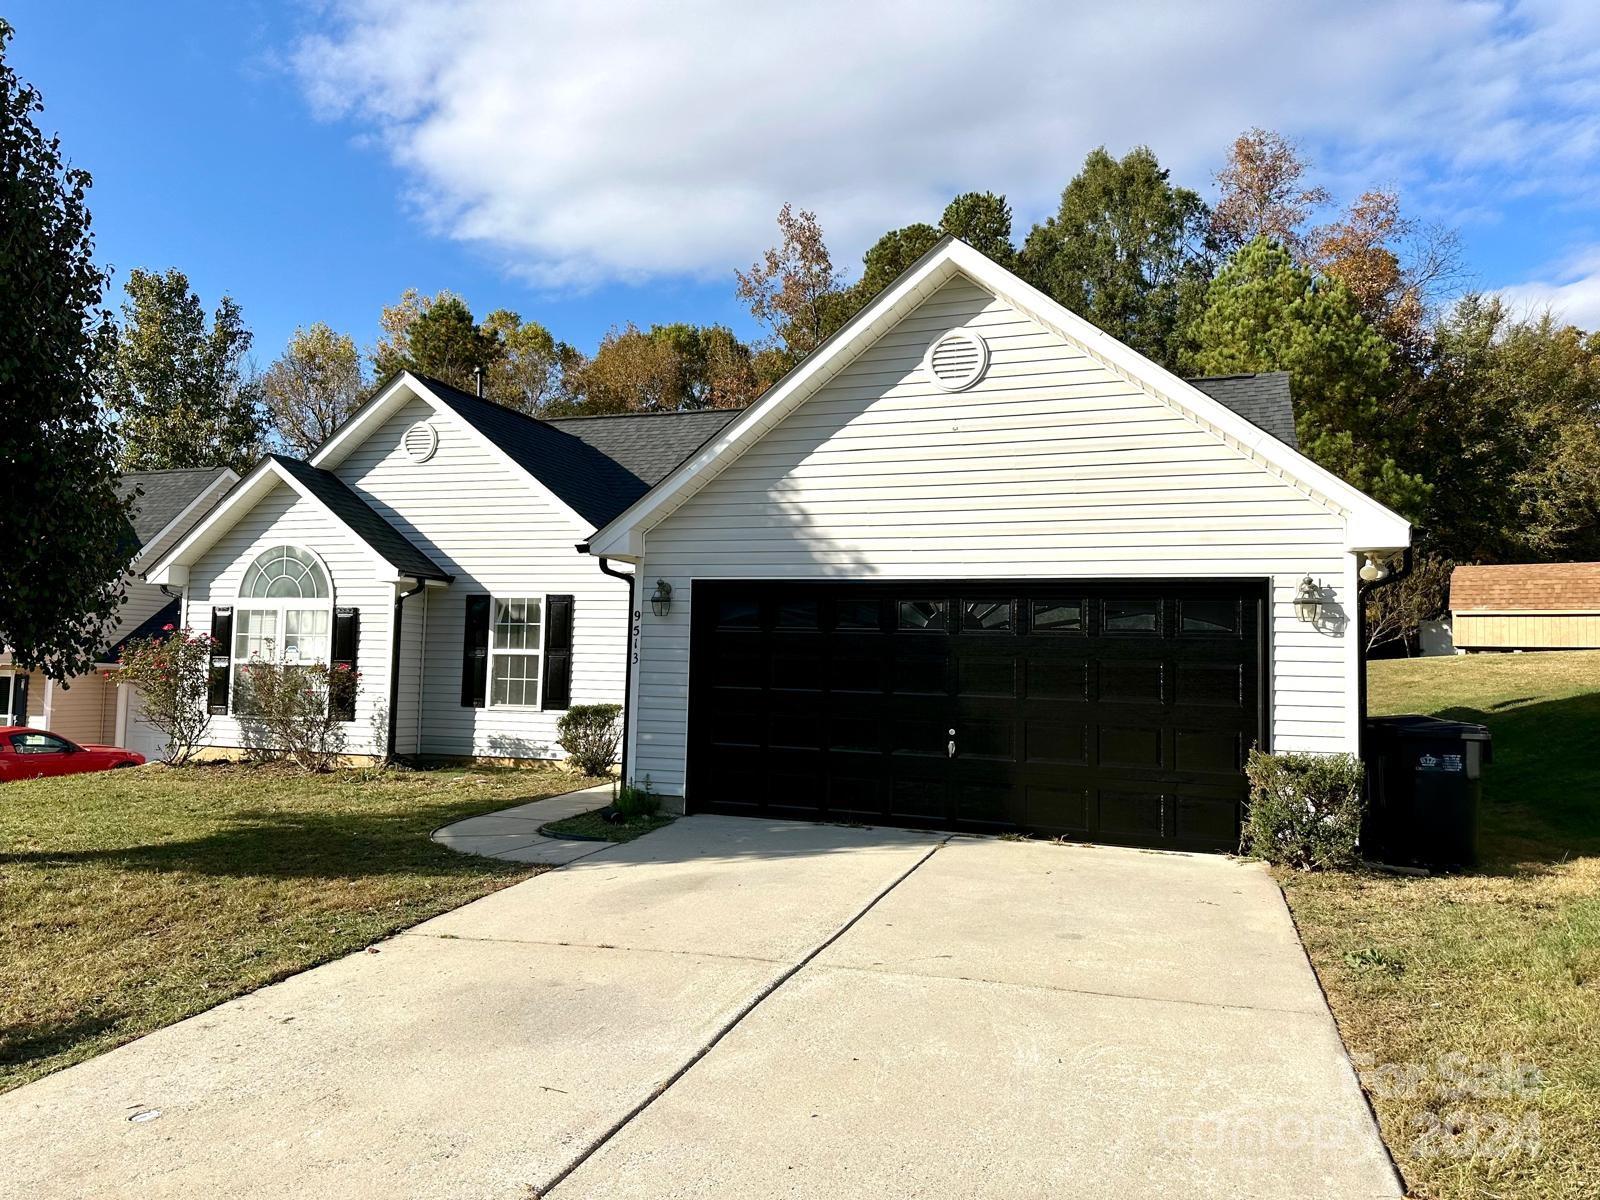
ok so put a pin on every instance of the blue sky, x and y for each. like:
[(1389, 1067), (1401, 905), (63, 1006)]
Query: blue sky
[(590, 165)]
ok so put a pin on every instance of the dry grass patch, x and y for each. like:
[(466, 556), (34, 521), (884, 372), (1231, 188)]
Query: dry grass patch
[(1472, 1002), (133, 899)]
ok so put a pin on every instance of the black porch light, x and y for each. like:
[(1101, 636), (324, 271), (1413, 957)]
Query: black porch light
[(661, 598)]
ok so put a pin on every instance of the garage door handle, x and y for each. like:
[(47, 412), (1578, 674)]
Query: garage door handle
[(951, 744)]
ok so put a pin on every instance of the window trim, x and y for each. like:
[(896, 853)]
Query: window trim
[(544, 634), (279, 605)]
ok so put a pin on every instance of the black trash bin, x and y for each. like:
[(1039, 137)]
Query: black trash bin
[(1424, 783)]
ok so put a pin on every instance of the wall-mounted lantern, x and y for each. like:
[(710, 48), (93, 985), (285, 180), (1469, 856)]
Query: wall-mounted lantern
[(661, 598), (1307, 600), (1374, 570)]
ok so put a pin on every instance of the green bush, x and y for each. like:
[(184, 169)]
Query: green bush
[(589, 733), (1305, 809), (636, 803)]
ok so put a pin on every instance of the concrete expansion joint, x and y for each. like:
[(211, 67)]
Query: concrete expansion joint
[(661, 1089)]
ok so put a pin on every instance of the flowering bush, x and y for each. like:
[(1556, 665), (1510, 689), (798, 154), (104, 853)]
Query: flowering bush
[(171, 672), (1305, 809), (290, 711)]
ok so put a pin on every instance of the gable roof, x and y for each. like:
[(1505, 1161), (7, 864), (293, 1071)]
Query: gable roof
[(1526, 587), (596, 465), (1368, 524), (160, 497), (1263, 399), (324, 489), (153, 626), (361, 519)]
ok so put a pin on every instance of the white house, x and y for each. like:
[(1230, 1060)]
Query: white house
[(976, 564), (429, 544), (163, 505)]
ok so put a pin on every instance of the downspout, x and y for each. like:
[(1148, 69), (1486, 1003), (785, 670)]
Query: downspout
[(627, 677), (1363, 590), (394, 666)]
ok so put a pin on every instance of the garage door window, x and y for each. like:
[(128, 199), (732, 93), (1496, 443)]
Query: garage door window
[(1208, 617), (988, 616), (858, 614), (1058, 616), (798, 614), (1132, 616), (923, 616)]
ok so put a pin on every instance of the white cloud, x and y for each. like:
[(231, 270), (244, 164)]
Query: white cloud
[(585, 142), (1571, 292)]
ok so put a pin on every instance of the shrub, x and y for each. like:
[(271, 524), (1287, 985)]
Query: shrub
[(589, 733), (171, 673), (1305, 809), (290, 711), (635, 803)]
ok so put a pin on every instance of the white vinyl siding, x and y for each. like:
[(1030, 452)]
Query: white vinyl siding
[(283, 517), (488, 525), (1051, 466)]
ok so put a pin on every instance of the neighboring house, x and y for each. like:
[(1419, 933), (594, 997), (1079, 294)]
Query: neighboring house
[(91, 708), (1533, 606), (430, 544), (976, 564)]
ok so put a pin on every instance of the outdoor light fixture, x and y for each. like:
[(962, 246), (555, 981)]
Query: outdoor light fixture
[(1373, 570), (1307, 600), (661, 598)]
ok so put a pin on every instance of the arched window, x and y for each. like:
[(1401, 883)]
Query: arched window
[(285, 609)]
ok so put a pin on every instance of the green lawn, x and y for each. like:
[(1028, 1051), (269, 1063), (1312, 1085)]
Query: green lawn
[(1445, 988), (132, 899)]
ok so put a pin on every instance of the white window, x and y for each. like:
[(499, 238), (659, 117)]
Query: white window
[(515, 642), (285, 611)]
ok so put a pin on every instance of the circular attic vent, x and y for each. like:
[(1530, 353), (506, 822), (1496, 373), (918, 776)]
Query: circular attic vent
[(957, 360), (420, 441)]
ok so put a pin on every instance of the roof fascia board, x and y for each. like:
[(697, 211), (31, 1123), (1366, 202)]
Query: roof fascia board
[(1369, 525), (224, 480), (377, 410), (249, 492)]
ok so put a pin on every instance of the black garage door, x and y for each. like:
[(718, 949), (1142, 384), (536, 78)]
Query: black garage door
[(1107, 711)]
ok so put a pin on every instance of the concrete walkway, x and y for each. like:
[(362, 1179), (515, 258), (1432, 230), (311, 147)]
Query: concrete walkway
[(742, 1008), (513, 833)]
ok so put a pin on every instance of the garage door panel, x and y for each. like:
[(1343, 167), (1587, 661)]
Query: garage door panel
[(1117, 711)]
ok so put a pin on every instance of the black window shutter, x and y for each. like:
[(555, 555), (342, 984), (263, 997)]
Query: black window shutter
[(475, 654), (558, 652), (346, 637), (19, 699), (221, 653)]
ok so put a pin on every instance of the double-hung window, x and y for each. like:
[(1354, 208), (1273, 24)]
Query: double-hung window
[(515, 644)]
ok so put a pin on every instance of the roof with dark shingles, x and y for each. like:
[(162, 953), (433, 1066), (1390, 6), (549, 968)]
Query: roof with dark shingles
[(362, 519), (153, 626), (159, 496), (1262, 399), (596, 465)]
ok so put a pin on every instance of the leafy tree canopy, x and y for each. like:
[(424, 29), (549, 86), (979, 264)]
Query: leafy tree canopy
[(313, 386), (61, 519), (1125, 250), (177, 387)]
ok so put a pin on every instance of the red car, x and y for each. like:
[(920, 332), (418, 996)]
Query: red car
[(32, 753)]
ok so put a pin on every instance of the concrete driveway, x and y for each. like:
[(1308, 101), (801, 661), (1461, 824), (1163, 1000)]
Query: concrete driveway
[(732, 1008)]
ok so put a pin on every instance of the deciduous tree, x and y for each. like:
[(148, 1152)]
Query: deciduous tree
[(526, 372), (1125, 250), (1263, 193), (178, 388), (313, 386), (62, 521), (794, 289)]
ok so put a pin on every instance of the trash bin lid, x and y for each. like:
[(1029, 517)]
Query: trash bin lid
[(1415, 725)]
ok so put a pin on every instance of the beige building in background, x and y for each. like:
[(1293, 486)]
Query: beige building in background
[(1533, 606)]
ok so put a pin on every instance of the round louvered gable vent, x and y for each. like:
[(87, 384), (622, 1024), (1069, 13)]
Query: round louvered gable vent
[(957, 360), (420, 441)]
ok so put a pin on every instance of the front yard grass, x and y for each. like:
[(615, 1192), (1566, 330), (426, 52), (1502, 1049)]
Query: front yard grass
[(593, 827), (1446, 988), (132, 899)]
